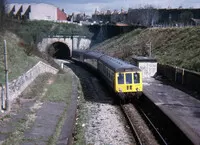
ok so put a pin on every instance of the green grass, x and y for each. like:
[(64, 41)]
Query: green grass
[(18, 61), (22, 40), (61, 89), (35, 90), (16, 136), (33, 32), (79, 135), (173, 46), (54, 138), (58, 90)]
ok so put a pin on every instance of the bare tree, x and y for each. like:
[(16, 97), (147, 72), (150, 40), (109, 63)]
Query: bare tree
[(133, 16), (186, 17), (147, 15), (2, 13)]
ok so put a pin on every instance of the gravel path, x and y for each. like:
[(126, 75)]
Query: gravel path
[(104, 123), (107, 126)]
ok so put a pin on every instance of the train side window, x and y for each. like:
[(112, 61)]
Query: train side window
[(121, 78), (136, 78), (129, 78)]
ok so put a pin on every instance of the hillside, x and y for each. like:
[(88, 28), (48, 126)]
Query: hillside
[(34, 31), (18, 60), (173, 46), (22, 39)]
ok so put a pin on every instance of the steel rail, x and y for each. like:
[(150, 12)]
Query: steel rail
[(138, 140), (152, 125)]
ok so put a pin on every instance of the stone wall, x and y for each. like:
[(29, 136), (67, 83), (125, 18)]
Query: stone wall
[(84, 43), (17, 86), (149, 69), (47, 42), (78, 43)]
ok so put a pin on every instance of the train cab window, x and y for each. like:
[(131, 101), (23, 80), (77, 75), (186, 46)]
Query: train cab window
[(121, 78), (136, 78), (129, 78)]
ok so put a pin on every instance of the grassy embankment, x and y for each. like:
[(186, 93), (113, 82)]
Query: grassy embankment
[(18, 60), (22, 39), (22, 55), (174, 46), (45, 88)]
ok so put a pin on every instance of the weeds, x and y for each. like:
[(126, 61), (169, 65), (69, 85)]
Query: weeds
[(61, 89)]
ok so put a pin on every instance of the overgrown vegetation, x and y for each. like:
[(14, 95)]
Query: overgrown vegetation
[(79, 132), (61, 89), (45, 88), (18, 61), (146, 16), (22, 47), (28, 116), (33, 32), (173, 46)]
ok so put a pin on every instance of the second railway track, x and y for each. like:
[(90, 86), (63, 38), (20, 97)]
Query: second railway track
[(150, 125), (139, 127)]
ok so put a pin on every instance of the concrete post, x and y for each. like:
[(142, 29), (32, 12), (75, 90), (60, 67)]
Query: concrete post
[(6, 77)]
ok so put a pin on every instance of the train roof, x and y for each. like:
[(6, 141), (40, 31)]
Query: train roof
[(143, 59), (117, 64), (113, 63), (88, 53), (78, 51), (93, 54)]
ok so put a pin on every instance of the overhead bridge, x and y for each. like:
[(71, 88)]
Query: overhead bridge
[(61, 47)]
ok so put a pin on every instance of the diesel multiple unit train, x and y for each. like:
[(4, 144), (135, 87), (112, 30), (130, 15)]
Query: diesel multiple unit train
[(121, 76)]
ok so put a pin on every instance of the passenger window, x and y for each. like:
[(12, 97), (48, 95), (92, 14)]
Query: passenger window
[(129, 78), (136, 78), (121, 78)]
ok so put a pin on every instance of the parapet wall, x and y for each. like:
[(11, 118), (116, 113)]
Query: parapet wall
[(78, 43), (181, 76), (17, 86)]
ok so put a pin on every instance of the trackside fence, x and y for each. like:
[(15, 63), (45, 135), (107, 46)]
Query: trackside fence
[(187, 78)]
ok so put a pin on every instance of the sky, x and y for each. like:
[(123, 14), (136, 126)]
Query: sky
[(89, 6)]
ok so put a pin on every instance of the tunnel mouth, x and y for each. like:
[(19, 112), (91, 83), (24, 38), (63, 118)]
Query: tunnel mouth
[(59, 50)]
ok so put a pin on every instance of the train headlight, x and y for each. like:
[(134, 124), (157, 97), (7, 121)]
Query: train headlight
[(120, 90)]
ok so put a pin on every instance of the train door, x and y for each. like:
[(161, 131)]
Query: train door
[(129, 81), (119, 81), (137, 80)]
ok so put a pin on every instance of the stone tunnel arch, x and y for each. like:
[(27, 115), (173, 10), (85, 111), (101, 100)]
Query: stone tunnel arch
[(59, 50)]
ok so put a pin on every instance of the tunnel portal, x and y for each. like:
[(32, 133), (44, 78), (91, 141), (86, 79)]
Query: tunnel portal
[(59, 50)]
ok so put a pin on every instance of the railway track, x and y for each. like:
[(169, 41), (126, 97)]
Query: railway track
[(140, 115), (150, 125), (134, 130), (143, 129)]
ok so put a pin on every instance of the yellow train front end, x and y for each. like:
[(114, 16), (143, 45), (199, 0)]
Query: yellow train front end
[(128, 82)]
